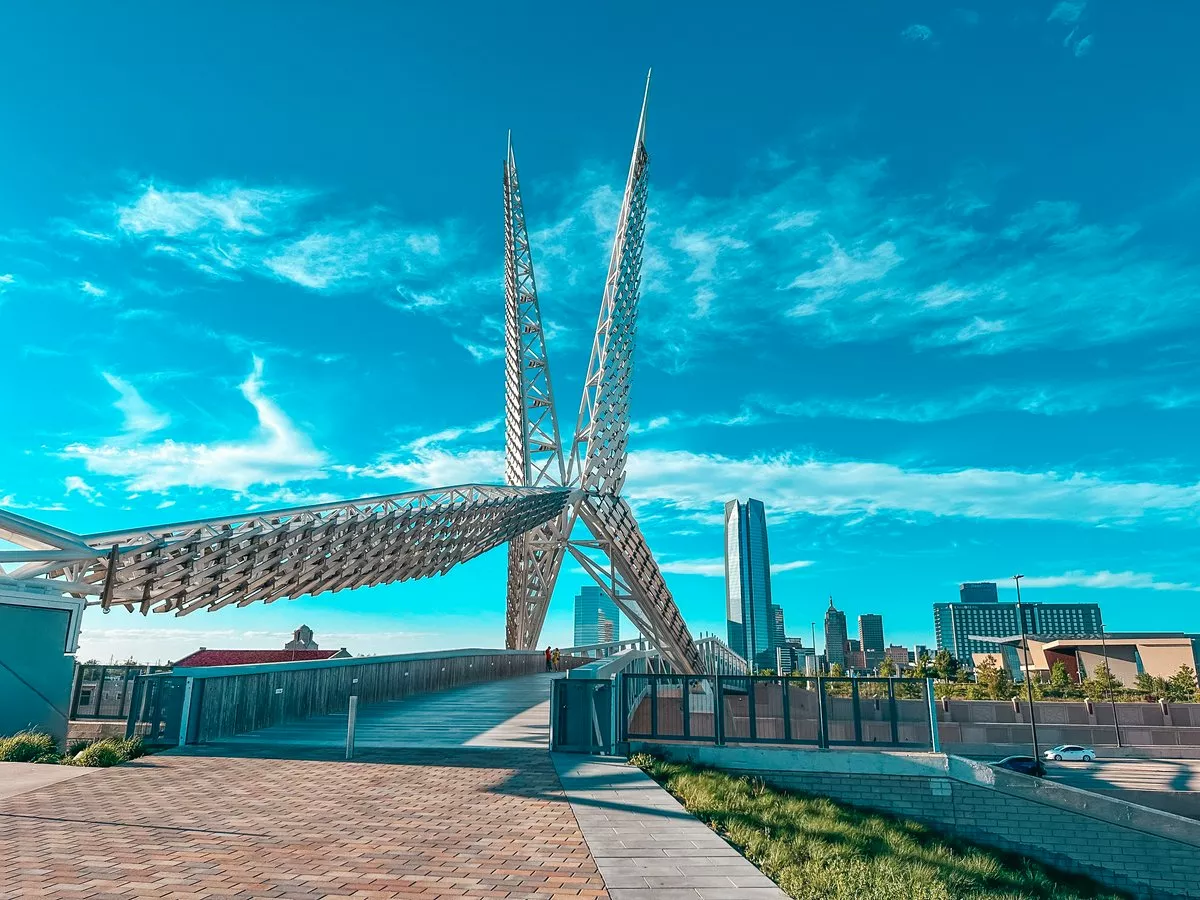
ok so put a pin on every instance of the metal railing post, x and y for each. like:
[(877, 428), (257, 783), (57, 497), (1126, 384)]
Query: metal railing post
[(351, 720), (685, 707), (892, 711), (934, 739), (718, 712), (822, 716), (751, 708), (855, 711), (787, 712)]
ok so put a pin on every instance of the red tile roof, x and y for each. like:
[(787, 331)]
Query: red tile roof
[(249, 657)]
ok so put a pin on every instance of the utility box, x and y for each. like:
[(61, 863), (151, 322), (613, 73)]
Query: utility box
[(39, 634)]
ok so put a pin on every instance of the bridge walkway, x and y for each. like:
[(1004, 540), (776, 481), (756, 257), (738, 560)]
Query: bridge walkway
[(508, 713)]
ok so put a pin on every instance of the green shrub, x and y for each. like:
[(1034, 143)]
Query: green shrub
[(133, 747), (100, 755), (28, 746), (76, 746)]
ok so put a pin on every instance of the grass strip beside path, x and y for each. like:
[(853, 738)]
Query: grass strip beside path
[(815, 848)]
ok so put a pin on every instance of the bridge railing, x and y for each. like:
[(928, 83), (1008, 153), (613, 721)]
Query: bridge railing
[(197, 705), (892, 713)]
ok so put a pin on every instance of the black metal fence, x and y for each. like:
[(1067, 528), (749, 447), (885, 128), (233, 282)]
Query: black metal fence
[(105, 692), (821, 712), (156, 709)]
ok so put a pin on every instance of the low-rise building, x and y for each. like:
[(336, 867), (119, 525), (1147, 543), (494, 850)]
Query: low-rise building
[(1128, 653)]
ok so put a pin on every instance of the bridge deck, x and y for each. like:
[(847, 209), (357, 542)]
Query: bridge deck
[(510, 713)]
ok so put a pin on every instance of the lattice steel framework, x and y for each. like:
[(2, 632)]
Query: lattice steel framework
[(267, 556), (549, 489), (596, 458)]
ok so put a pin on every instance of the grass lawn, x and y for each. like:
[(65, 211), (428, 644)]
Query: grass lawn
[(813, 847)]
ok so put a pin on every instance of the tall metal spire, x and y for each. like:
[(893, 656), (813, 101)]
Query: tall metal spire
[(533, 447), (598, 450)]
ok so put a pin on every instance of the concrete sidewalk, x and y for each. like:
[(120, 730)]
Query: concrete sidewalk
[(646, 845), (17, 778)]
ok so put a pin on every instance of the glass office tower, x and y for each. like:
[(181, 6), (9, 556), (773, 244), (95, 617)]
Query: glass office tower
[(748, 583), (596, 620)]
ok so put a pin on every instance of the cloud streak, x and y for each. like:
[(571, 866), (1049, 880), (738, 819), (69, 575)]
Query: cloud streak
[(277, 452)]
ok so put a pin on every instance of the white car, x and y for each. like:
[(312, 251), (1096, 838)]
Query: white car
[(1070, 752)]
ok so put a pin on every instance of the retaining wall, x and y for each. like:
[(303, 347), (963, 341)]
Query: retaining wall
[(1144, 851)]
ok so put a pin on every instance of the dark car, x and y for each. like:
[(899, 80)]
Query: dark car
[(1026, 765)]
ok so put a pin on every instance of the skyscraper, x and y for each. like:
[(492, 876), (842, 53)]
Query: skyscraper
[(778, 634), (835, 636), (748, 582), (963, 628), (977, 592), (870, 636), (596, 619)]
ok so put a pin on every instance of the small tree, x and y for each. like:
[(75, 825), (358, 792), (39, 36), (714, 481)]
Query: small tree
[(887, 667), (923, 668), (1102, 685), (1181, 687), (945, 665), (1060, 679), (835, 670)]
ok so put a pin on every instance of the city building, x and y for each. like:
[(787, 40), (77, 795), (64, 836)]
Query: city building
[(921, 649), (1128, 653), (596, 617), (778, 633), (815, 664), (302, 639), (870, 636), (793, 657), (899, 655), (748, 582), (835, 636), (978, 592), (301, 646), (856, 661), (972, 625)]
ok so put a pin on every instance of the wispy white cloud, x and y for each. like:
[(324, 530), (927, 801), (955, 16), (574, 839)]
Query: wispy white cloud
[(92, 290), (76, 485), (1105, 580), (689, 481), (917, 33), (715, 568), (1068, 11), (140, 416), (1083, 46), (480, 352), (277, 453), (443, 457), (227, 230)]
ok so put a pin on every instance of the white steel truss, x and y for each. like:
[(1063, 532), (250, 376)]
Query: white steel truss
[(595, 465), (533, 448), (211, 563)]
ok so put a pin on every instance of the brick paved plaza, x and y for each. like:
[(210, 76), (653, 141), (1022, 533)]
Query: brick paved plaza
[(408, 823)]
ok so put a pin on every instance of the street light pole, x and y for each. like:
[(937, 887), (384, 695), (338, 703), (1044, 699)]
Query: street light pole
[(815, 660), (1111, 699), (1028, 666)]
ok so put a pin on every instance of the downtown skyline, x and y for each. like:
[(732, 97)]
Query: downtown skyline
[(970, 358)]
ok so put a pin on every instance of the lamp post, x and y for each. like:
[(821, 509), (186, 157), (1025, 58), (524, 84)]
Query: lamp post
[(1111, 699), (815, 660), (1028, 676)]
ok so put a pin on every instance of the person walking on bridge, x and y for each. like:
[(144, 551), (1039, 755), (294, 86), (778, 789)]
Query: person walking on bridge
[(549, 659), (557, 658)]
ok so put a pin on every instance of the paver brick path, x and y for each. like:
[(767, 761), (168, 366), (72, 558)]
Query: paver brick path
[(393, 824)]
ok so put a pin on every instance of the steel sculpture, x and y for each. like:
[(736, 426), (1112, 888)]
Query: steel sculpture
[(550, 490)]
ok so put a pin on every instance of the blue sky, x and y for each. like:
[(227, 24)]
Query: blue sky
[(922, 278)]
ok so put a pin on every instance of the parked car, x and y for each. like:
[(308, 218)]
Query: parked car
[(1026, 765), (1070, 752)]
